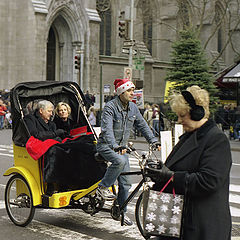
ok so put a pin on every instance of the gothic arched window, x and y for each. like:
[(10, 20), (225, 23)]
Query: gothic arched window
[(104, 11), (147, 20), (218, 21), (184, 13)]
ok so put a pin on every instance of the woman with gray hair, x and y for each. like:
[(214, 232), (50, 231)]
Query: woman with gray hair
[(40, 124), (200, 165)]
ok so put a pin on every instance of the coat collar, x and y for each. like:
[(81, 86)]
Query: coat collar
[(188, 142), (120, 106), (41, 121)]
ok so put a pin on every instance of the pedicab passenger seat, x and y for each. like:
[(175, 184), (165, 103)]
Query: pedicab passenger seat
[(70, 163)]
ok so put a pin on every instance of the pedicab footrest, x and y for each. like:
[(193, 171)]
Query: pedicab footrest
[(57, 200)]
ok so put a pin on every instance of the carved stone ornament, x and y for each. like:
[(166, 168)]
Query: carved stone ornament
[(103, 5), (62, 2)]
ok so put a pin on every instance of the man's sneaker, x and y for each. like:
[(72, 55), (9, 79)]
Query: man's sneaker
[(127, 221), (105, 193)]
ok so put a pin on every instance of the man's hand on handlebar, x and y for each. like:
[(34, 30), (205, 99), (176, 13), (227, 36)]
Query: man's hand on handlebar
[(156, 146), (121, 150)]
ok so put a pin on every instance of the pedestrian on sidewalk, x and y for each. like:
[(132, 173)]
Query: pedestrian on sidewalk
[(200, 165), (147, 115), (92, 116), (119, 117), (3, 111)]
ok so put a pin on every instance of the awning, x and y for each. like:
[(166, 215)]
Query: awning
[(233, 75)]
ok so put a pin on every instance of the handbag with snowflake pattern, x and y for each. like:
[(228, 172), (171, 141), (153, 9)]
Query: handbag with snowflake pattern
[(162, 212)]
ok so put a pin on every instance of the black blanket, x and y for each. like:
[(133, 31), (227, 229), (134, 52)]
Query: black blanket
[(73, 164)]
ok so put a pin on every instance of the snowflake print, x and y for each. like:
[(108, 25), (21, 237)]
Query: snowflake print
[(150, 227), (176, 210), (153, 206), (164, 208), (151, 216), (165, 198), (174, 231), (163, 218), (177, 200), (153, 196), (175, 219), (161, 229)]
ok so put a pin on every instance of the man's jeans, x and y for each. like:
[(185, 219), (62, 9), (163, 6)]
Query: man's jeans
[(1, 121), (119, 164)]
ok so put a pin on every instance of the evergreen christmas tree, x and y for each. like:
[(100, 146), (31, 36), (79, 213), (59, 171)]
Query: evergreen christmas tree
[(189, 66)]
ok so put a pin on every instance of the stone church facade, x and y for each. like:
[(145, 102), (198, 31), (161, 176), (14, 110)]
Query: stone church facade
[(40, 38)]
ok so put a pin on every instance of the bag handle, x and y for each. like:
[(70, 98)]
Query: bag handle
[(171, 178)]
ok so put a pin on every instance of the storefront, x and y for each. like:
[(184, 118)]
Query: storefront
[(233, 78), (228, 85)]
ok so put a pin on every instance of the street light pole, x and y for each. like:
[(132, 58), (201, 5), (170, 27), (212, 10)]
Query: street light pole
[(131, 35)]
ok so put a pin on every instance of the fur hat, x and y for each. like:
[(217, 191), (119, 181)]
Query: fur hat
[(122, 85)]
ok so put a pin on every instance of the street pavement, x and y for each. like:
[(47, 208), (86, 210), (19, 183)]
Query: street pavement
[(40, 223), (234, 196)]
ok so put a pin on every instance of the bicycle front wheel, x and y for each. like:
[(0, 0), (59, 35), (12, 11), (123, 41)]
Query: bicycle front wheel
[(18, 201), (139, 216)]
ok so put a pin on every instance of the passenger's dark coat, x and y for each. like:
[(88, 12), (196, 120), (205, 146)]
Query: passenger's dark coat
[(65, 125), (38, 128), (201, 162)]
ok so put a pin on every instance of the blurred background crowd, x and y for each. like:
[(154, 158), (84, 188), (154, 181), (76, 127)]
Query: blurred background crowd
[(227, 116), (5, 110)]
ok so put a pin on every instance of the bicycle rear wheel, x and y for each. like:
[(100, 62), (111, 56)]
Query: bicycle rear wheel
[(139, 216)]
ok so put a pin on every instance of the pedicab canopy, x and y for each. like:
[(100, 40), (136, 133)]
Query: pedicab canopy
[(24, 97)]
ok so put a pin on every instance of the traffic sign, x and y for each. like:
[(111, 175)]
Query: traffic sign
[(106, 88), (128, 73), (128, 43), (127, 50), (138, 62), (139, 67)]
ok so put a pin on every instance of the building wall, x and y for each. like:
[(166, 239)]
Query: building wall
[(25, 27), (22, 54)]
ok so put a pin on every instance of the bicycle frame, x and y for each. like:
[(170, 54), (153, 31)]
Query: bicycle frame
[(143, 160)]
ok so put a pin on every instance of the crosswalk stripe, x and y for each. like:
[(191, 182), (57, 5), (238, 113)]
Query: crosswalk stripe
[(2, 204), (6, 154), (6, 146)]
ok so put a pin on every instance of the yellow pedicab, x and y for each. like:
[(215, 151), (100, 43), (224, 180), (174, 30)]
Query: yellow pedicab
[(74, 163)]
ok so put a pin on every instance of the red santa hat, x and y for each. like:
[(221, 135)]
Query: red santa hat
[(122, 85)]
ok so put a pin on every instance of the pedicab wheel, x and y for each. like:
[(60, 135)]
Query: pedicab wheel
[(18, 201), (139, 216)]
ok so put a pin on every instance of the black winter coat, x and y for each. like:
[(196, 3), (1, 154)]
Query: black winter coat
[(39, 128), (65, 125), (201, 162)]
